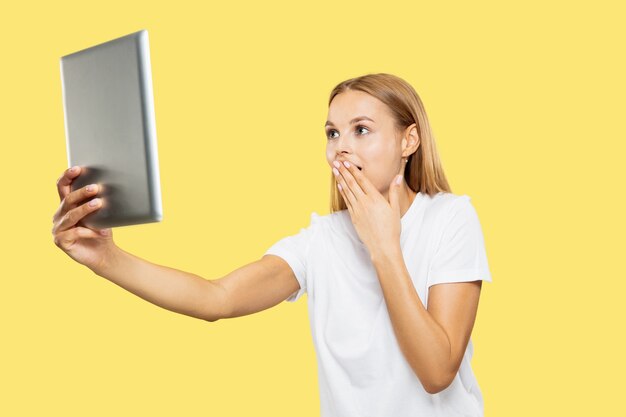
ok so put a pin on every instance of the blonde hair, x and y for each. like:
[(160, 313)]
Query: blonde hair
[(423, 171)]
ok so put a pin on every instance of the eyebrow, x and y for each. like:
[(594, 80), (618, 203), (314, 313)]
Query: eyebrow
[(356, 119)]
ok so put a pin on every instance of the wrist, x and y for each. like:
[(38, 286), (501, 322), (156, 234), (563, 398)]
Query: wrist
[(110, 258), (384, 253)]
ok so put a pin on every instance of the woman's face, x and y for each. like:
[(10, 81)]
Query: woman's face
[(361, 130)]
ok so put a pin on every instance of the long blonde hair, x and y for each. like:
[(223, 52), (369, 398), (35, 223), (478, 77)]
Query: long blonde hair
[(423, 171)]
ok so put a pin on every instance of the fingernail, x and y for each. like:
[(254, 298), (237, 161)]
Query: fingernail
[(74, 168), (91, 187), (399, 179), (94, 202), (335, 171), (336, 164)]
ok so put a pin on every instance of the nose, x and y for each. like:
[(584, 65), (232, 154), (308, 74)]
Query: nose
[(343, 145)]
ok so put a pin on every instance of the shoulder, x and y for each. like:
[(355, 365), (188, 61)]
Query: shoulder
[(335, 225), (328, 223), (327, 220), (444, 206), (316, 224)]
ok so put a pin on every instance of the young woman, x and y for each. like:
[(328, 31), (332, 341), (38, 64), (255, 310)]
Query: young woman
[(393, 274)]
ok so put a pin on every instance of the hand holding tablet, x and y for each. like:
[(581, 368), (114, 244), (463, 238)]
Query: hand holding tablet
[(86, 246)]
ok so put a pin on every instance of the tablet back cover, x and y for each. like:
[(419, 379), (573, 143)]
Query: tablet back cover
[(110, 129)]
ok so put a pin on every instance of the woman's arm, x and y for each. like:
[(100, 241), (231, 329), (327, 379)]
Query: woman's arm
[(433, 340), (172, 289), (249, 289)]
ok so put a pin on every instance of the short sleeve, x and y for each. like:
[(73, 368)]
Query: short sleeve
[(461, 254), (294, 249)]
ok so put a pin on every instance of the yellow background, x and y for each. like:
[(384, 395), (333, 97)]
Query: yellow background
[(527, 104)]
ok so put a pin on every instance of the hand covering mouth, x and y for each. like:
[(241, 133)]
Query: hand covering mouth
[(360, 169)]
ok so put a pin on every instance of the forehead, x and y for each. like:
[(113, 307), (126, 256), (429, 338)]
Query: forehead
[(352, 103)]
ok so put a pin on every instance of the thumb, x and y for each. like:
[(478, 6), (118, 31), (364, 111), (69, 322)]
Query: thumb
[(394, 189)]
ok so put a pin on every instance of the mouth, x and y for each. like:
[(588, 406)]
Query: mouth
[(360, 168)]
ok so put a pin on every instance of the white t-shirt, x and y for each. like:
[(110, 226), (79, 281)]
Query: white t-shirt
[(361, 370)]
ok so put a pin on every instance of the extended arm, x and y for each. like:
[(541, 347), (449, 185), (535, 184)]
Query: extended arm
[(251, 288)]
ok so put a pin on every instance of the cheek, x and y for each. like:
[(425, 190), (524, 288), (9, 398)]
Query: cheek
[(330, 156)]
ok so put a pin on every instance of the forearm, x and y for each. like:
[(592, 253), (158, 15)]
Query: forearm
[(422, 340), (172, 289)]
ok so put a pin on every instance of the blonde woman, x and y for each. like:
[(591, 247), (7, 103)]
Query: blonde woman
[(393, 274)]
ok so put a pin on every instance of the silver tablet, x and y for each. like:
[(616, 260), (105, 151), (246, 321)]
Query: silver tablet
[(110, 129)]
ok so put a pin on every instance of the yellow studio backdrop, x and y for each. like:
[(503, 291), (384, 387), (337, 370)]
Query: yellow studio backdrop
[(526, 102)]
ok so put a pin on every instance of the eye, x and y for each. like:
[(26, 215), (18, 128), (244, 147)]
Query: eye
[(329, 132), (361, 127)]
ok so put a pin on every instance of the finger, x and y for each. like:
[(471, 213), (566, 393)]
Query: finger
[(348, 204), (74, 198), (102, 232), (76, 214), (65, 180), (67, 238), (394, 190), (366, 186), (347, 193), (349, 179), (78, 196)]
